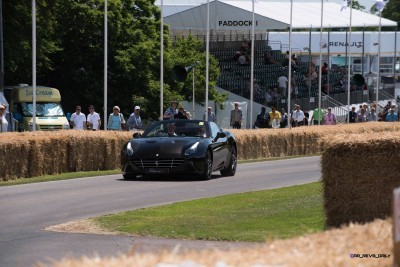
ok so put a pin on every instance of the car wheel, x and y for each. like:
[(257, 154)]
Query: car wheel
[(231, 169), (129, 176), (207, 166)]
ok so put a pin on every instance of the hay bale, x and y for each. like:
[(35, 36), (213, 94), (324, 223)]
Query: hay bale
[(359, 172)]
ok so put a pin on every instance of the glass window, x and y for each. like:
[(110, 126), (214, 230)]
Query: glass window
[(214, 129), (42, 109)]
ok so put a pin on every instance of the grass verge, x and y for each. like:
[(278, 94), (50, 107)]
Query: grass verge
[(255, 216)]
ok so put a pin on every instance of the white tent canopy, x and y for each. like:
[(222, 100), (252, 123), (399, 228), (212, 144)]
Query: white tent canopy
[(237, 15)]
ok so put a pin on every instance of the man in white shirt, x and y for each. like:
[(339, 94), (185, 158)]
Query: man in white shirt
[(93, 119), (298, 117), (78, 119)]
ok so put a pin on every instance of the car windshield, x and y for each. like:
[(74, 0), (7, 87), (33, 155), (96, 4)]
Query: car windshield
[(42, 109), (181, 128)]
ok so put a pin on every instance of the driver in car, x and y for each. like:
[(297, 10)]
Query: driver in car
[(171, 129)]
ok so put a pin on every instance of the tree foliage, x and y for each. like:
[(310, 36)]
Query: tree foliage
[(70, 53), (392, 11)]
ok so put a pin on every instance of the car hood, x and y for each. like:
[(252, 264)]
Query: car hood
[(162, 147)]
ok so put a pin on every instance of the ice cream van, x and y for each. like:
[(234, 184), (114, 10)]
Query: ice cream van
[(49, 113)]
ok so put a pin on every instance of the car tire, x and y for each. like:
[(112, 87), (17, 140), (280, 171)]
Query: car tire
[(231, 169), (129, 176), (207, 166)]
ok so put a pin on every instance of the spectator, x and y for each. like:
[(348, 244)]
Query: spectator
[(324, 69), (282, 82), (261, 120), (242, 60), (275, 96), (361, 115), (3, 120), (135, 121), (383, 114), (258, 95), (284, 119), (268, 98), (10, 119), (306, 117), (372, 115), (78, 119), (330, 118), (236, 56), (274, 118), (298, 117), (210, 115), (318, 115), (352, 115), (171, 111), (268, 58), (188, 115), (181, 114), (116, 121), (391, 116), (236, 117), (93, 119)]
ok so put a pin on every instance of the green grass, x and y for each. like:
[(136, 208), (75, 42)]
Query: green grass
[(57, 177), (255, 216)]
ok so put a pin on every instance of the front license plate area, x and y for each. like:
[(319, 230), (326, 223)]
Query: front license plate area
[(157, 170)]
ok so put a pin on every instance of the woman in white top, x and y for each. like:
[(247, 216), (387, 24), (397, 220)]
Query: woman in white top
[(3, 121)]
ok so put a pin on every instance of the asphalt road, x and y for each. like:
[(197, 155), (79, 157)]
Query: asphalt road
[(26, 209)]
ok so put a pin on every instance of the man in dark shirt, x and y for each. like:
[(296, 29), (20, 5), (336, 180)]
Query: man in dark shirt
[(352, 115)]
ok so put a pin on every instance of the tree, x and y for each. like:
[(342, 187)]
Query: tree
[(392, 10), (188, 49), (71, 53)]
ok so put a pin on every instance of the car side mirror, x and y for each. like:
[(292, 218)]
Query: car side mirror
[(220, 135), (136, 135)]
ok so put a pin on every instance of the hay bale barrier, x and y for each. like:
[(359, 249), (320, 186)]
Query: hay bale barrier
[(32, 154), (359, 173)]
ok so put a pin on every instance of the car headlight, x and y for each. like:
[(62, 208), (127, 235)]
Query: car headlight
[(66, 126), (129, 149), (192, 149)]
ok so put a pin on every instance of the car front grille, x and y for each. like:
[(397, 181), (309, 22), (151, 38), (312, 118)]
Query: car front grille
[(157, 163), (50, 127)]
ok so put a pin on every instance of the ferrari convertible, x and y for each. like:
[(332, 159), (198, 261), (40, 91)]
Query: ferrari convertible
[(180, 147)]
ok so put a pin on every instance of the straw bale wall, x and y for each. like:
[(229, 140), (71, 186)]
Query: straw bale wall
[(31, 154), (35, 154), (359, 173)]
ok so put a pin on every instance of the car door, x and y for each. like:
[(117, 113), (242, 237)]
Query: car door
[(219, 146)]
